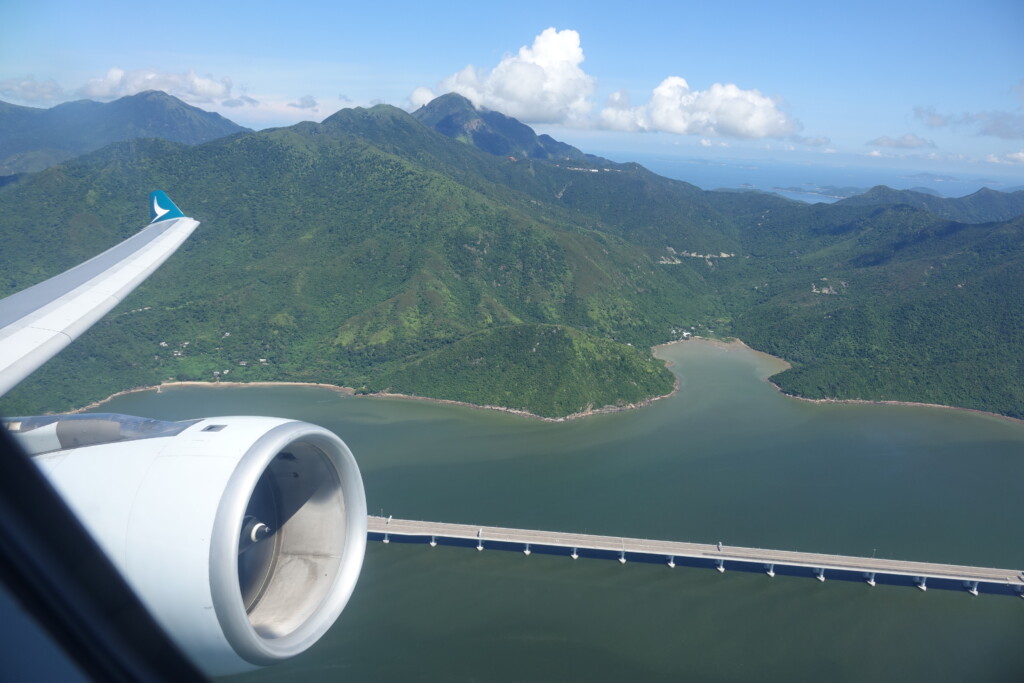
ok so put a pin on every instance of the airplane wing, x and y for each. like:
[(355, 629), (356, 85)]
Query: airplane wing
[(38, 322), (244, 536)]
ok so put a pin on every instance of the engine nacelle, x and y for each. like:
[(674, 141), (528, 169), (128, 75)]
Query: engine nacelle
[(244, 536)]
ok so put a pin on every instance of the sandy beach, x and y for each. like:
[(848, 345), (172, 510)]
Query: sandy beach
[(158, 387), (406, 397)]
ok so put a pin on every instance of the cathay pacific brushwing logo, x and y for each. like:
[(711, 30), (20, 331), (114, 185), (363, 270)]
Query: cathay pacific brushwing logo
[(158, 212), (162, 208)]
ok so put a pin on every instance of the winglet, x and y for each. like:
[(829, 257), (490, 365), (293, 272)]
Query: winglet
[(161, 208)]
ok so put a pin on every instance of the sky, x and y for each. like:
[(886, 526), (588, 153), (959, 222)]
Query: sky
[(937, 87)]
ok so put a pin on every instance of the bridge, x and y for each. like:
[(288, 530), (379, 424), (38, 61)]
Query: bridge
[(871, 570)]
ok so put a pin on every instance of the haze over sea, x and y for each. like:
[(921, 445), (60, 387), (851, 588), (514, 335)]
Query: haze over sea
[(769, 175), (728, 458)]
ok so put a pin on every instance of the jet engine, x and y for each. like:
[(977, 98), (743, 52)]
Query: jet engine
[(244, 536)]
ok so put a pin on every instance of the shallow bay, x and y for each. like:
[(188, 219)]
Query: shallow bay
[(727, 458)]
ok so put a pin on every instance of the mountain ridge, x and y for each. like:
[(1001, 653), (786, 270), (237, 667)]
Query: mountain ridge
[(983, 206), (333, 260), (372, 251), (32, 139), (456, 117)]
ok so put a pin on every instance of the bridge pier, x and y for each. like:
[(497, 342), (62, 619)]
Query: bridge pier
[(970, 578)]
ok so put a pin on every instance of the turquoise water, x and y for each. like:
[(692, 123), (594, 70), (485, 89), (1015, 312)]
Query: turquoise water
[(727, 458)]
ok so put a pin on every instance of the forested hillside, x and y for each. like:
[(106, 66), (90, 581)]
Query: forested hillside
[(983, 206), (374, 252), (322, 257)]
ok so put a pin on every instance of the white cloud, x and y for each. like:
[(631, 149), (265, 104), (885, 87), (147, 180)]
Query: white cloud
[(241, 101), (875, 153), (189, 86), (905, 141), (421, 96), (932, 118), (1000, 124), (28, 89), (542, 83), (1011, 158), (720, 111), (705, 142), (258, 110), (305, 102), (618, 114)]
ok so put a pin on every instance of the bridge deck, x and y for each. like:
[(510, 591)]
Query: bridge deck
[(675, 549)]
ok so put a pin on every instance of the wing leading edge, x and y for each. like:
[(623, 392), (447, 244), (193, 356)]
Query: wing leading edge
[(38, 322)]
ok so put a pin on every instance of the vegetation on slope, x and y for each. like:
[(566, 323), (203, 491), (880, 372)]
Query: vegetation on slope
[(895, 305), (320, 258), (548, 370), (374, 252), (983, 206)]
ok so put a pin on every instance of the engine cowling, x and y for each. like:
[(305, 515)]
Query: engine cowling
[(244, 536)]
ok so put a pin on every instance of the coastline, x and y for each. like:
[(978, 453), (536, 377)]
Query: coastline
[(880, 402), (525, 413), (732, 344), (735, 343), (158, 387), (349, 391)]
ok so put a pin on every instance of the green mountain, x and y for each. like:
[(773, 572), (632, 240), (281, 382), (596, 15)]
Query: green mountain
[(891, 303), (983, 206), (32, 139), (493, 132), (545, 369), (375, 252), (323, 257)]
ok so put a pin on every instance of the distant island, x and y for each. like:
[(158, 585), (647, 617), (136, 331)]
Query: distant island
[(827, 191)]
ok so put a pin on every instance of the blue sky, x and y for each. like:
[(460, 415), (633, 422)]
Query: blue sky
[(919, 85)]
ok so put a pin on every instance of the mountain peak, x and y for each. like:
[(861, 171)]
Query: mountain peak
[(159, 95), (32, 139), (451, 101), (491, 131)]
